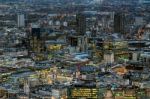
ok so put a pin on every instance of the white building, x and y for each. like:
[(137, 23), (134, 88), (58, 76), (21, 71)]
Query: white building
[(109, 57), (135, 56), (26, 88), (21, 20), (59, 93), (22, 96)]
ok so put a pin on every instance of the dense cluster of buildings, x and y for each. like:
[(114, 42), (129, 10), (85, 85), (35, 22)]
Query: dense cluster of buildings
[(90, 49)]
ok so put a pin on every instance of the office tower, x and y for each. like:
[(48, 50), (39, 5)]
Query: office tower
[(119, 23), (36, 32), (81, 24), (36, 40), (21, 20)]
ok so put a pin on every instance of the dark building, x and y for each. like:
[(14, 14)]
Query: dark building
[(81, 24), (36, 40), (73, 41), (119, 23), (36, 33)]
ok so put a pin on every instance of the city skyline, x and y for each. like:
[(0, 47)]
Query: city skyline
[(74, 49)]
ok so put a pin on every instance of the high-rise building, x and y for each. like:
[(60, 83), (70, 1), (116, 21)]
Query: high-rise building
[(21, 20), (81, 24), (36, 40), (119, 23)]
